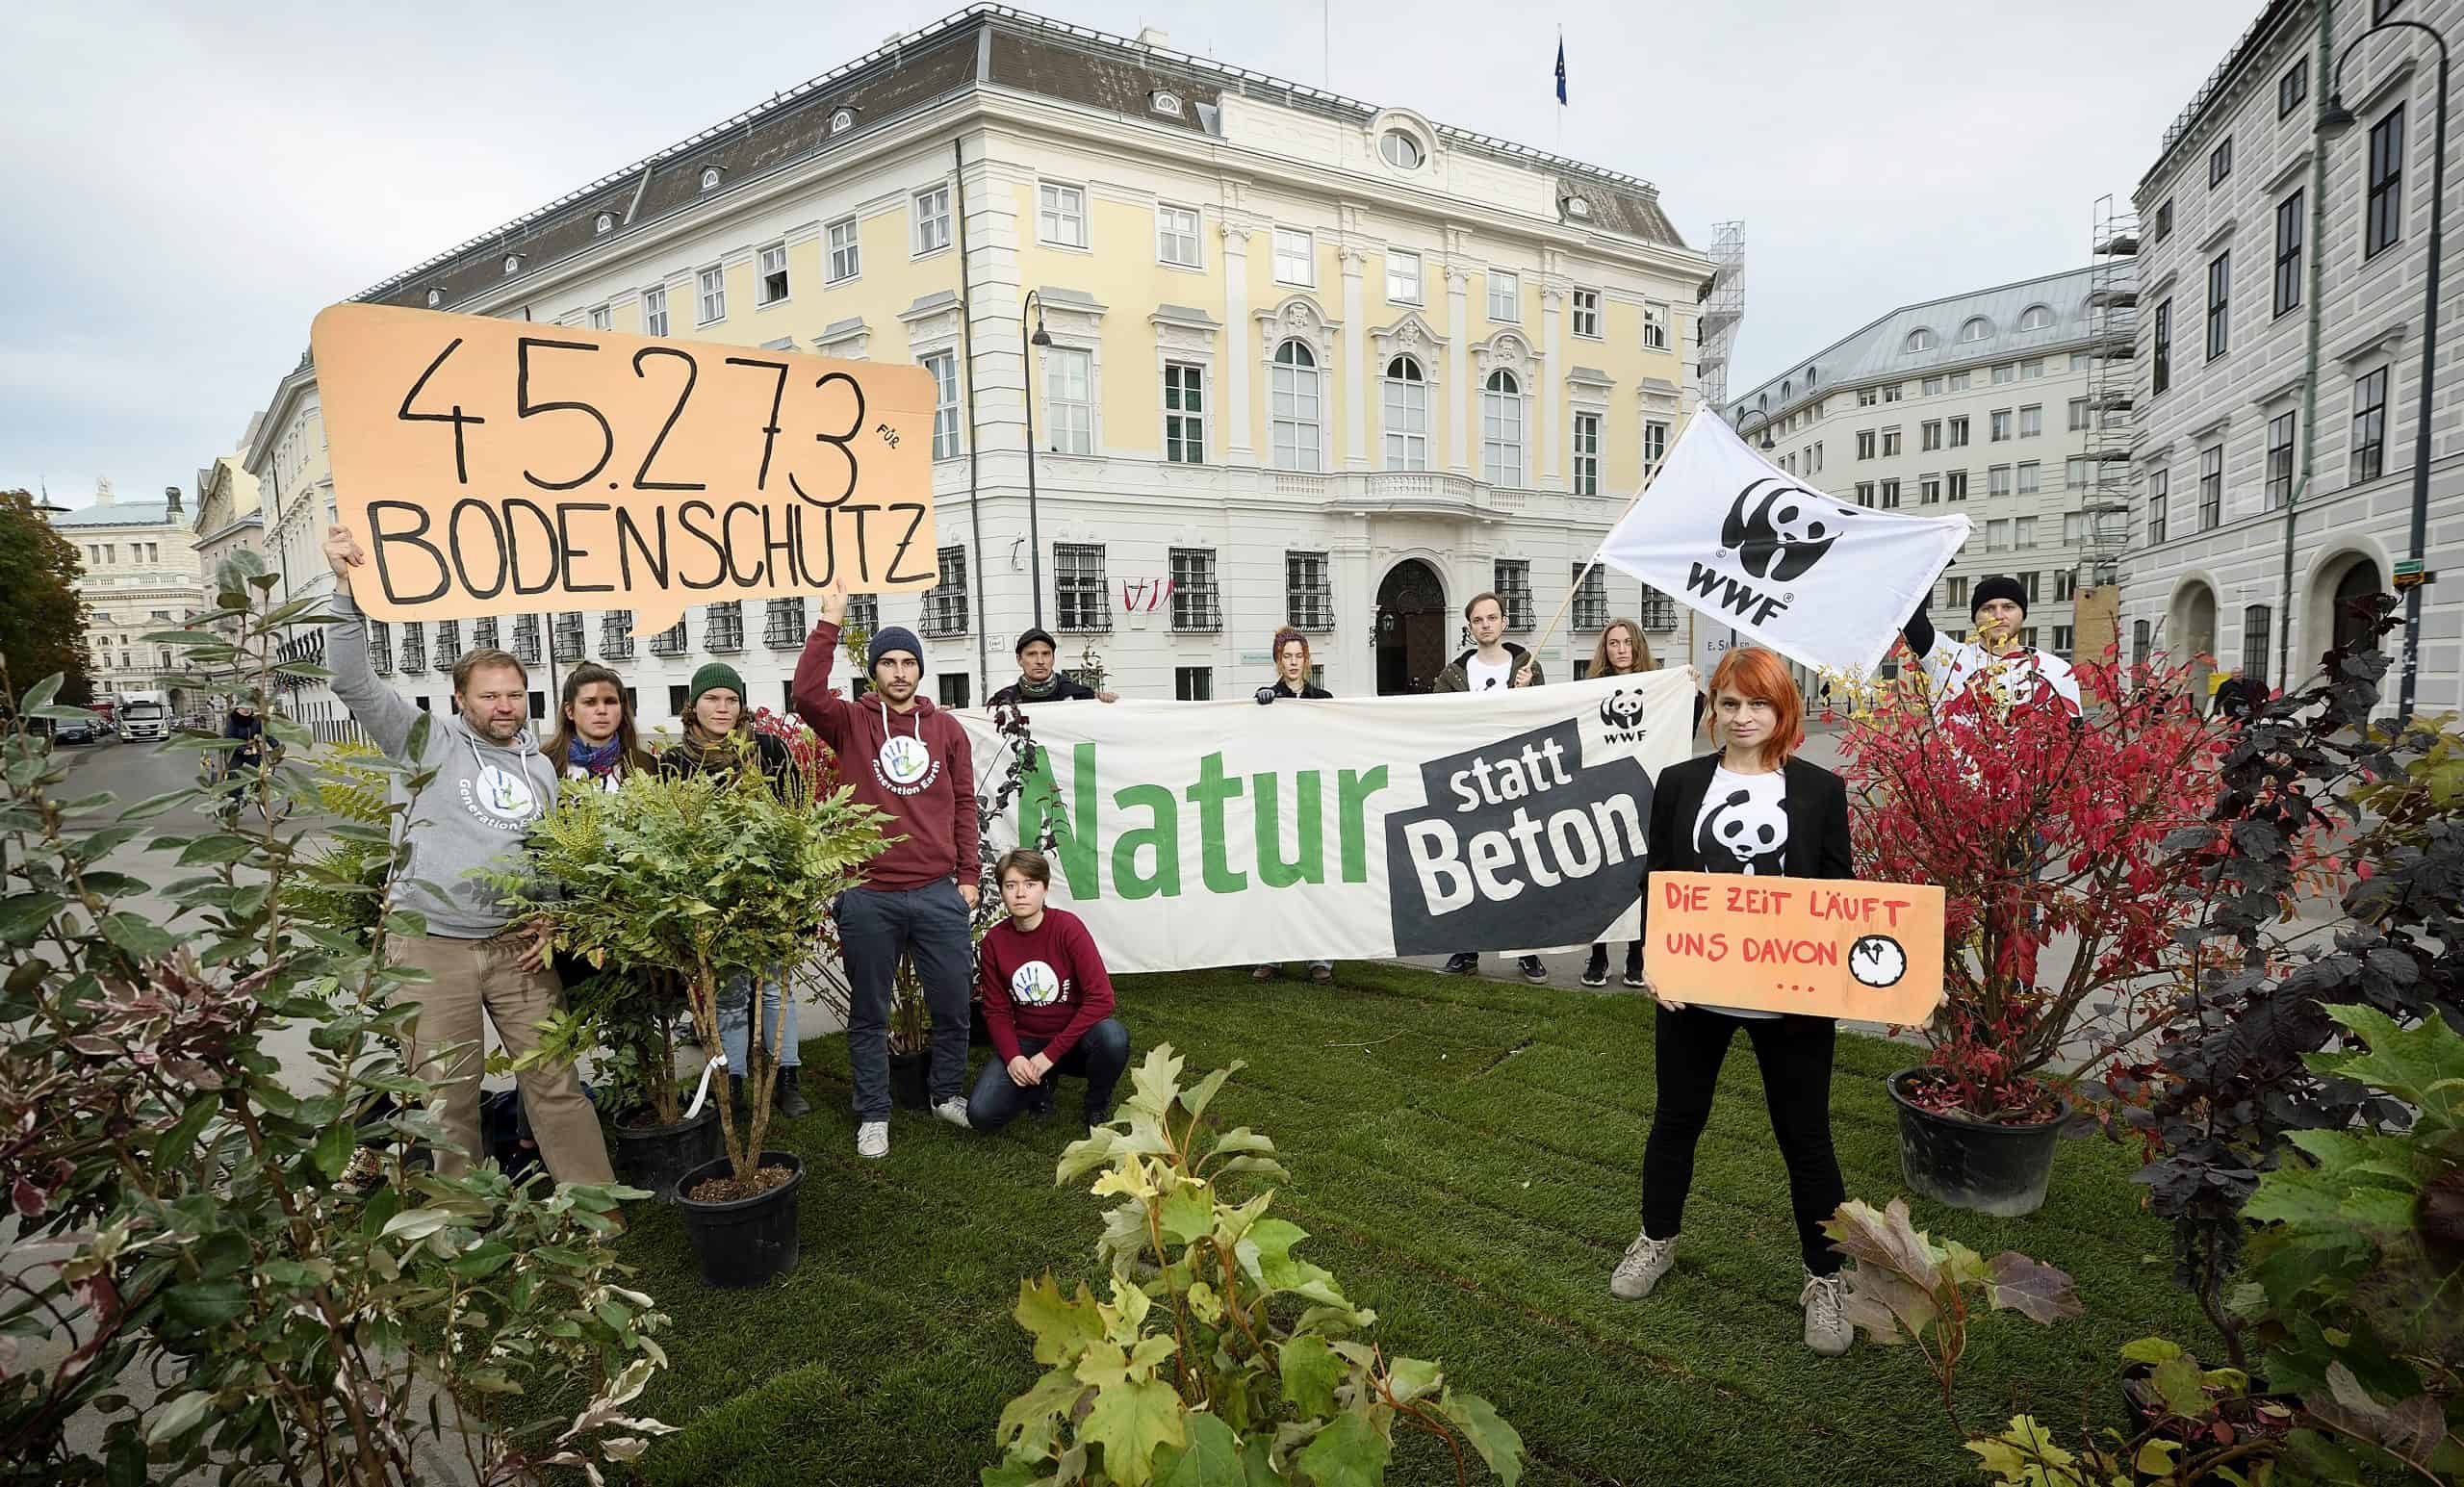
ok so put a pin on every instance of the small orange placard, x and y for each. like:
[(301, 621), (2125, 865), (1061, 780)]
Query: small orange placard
[(1824, 947), (504, 467)]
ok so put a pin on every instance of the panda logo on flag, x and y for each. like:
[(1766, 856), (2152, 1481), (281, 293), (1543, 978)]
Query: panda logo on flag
[(1781, 535), (1035, 985), (1743, 834)]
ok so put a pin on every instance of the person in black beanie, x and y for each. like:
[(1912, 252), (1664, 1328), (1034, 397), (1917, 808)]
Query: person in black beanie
[(1993, 669), (1038, 681)]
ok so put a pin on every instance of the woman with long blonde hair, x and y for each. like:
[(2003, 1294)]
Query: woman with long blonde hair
[(1622, 652)]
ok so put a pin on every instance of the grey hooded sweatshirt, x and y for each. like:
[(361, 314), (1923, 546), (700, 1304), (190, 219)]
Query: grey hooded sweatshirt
[(474, 814)]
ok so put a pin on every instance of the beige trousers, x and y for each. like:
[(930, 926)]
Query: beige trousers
[(467, 977)]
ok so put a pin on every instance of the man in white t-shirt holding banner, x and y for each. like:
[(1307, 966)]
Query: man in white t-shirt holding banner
[(1489, 668)]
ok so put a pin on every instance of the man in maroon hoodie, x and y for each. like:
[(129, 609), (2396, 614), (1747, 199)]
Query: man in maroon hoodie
[(1047, 1004), (910, 760)]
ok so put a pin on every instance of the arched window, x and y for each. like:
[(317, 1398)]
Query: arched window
[(1298, 440), (1501, 429), (1402, 151), (842, 120), (1976, 328), (710, 178), (2037, 317), (1406, 414), (1919, 340), (605, 221)]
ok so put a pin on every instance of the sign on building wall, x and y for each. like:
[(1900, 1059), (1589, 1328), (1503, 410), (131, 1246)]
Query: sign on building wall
[(1229, 833), (501, 467)]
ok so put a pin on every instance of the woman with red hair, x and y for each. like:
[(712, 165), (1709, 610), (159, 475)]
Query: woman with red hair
[(1750, 807)]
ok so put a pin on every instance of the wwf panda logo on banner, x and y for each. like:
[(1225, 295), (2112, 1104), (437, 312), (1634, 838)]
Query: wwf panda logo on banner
[(1743, 834), (1783, 533), (1622, 710)]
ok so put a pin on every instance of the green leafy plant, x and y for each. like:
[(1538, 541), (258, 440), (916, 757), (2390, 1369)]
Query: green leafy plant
[(1220, 1357), (210, 1266), (2359, 1283), (705, 876)]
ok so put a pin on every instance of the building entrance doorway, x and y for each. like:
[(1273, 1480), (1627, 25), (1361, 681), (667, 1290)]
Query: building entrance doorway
[(1411, 628)]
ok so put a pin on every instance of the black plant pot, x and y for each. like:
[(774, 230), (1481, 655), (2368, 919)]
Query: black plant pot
[(744, 1242), (909, 1080), (2001, 1170), (657, 1156)]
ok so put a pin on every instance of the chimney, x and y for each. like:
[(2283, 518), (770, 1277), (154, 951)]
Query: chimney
[(172, 499), (1153, 38)]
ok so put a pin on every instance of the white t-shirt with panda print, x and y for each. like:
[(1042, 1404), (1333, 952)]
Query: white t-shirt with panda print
[(1743, 827)]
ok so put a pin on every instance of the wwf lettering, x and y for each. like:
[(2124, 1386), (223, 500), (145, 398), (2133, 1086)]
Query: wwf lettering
[(493, 467)]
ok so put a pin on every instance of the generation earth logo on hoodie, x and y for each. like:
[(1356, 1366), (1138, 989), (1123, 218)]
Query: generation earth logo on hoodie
[(906, 765), (500, 797)]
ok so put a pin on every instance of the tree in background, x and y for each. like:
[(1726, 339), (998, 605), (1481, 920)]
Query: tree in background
[(42, 628)]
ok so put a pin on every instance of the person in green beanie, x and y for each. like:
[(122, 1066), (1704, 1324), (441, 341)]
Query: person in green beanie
[(720, 739)]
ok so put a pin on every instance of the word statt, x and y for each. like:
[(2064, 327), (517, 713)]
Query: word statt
[(1827, 948), (502, 466)]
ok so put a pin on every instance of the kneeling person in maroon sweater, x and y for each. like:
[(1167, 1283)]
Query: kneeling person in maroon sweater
[(1047, 1004)]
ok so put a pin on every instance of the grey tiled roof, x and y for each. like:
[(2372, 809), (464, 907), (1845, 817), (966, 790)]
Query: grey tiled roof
[(119, 513), (1880, 349)]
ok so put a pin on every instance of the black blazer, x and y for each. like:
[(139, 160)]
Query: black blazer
[(1817, 807)]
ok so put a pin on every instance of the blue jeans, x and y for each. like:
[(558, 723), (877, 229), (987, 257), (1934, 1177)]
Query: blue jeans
[(736, 1023), (929, 926), (1099, 1056)]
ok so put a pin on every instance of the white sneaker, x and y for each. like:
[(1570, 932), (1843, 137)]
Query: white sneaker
[(1827, 1329), (872, 1139), (1646, 1261), (954, 1111)]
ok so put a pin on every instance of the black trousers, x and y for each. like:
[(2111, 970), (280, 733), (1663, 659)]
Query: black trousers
[(1794, 1054)]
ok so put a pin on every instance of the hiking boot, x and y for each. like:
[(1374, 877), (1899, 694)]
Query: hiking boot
[(1827, 1329), (954, 1111), (1266, 973), (787, 1097), (1464, 964), (1646, 1261), (872, 1139), (1594, 971), (1533, 970)]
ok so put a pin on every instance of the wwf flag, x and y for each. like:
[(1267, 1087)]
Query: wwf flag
[(1734, 537)]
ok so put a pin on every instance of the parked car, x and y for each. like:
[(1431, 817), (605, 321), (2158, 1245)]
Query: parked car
[(77, 731)]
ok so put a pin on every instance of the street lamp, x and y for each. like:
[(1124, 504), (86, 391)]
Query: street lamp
[(2334, 122), (1756, 413), (1027, 379)]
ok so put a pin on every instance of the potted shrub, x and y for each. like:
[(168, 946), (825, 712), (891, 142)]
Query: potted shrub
[(627, 1019), (910, 1040), (708, 877), (2046, 832)]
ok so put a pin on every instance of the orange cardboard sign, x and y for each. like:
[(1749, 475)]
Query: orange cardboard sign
[(503, 467), (1824, 947)]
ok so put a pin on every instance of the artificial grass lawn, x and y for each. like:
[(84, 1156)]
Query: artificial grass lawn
[(1473, 1172)]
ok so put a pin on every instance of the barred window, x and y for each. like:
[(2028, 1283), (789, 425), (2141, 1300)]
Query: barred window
[(380, 648), (414, 646), (945, 606), (1194, 683), (1082, 601), (526, 639), (1591, 597), (568, 640), (1514, 586), (1195, 603), (864, 613), (484, 634), (1659, 611), (449, 644), (1309, 592), (616, 634), (723, 627), (671, 640), (785, 627)]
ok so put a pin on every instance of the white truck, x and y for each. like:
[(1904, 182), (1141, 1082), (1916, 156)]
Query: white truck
[(144, 715)]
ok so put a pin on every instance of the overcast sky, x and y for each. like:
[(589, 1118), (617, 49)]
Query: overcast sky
[(187, 184)]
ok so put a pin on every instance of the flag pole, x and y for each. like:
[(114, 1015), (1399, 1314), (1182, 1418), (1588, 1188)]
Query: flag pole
[(1568, 602)]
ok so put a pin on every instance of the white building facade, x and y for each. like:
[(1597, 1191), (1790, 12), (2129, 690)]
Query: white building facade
[(1313, 361), (1979, 404), (138, 576), (2278, 351)]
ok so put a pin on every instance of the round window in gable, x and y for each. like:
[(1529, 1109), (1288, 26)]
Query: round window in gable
[(1165, 103), (1402, 151)]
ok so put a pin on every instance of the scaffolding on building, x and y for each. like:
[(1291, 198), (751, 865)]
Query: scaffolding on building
[(1722, 310), (2113, 380)]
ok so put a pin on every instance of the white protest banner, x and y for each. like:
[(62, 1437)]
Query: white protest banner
[(1734, 537), (1228, 834)]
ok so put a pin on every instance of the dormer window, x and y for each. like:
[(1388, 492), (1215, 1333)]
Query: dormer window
[(842, 120), (604, 222), (1577, 208), (1401, 150), (1164, 103), (512, 264), (710, 177), (435, 297)]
